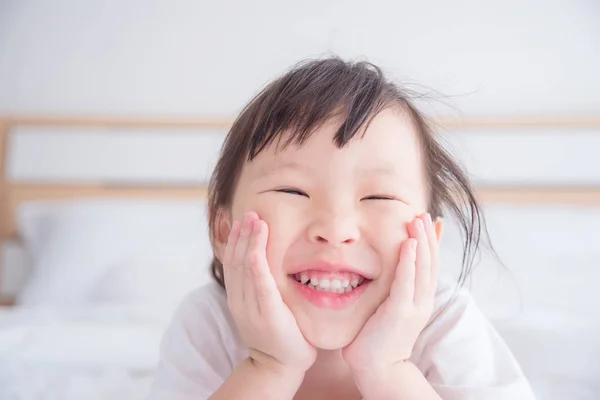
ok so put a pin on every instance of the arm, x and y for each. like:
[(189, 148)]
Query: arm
[(464, 357), (403, 381), (251, 381)]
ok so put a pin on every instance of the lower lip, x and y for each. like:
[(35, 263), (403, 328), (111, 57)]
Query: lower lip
[(330, 300)]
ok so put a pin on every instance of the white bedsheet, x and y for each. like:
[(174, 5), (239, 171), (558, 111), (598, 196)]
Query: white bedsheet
[(110, 353), (83, 353)]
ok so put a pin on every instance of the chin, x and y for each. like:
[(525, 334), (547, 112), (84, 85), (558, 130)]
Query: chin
[(329, 335), (330, 317)]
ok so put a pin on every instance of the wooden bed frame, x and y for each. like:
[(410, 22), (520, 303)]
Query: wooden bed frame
[(12, 194)]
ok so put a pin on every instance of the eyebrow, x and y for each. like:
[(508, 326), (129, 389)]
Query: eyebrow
[(380, 170), (282, 165), (388, 171)]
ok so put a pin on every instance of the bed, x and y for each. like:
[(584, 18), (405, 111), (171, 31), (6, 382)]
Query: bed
[(92, 272), (94, 265)]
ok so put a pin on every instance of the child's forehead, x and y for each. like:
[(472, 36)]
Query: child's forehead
[(388, 145), (386, 132)]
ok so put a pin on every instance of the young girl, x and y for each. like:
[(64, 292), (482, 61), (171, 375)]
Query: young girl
[(325, 217)]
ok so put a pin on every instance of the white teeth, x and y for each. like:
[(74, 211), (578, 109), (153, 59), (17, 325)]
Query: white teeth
[(335, 286), (325, 284)]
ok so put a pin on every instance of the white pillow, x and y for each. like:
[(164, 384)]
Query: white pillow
[(34, 221), (82, 246), (14, 267), (159, 279)]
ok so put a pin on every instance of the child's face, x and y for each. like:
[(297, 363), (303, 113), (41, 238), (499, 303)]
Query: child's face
[(329, 224)]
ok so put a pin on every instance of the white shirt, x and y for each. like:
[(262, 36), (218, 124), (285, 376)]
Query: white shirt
[(459, 352)]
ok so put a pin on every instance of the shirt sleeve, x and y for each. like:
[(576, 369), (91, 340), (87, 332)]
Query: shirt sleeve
[(196, 350), (464, 358)]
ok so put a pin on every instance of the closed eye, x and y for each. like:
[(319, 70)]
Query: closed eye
[(380, 197), (292, 191)]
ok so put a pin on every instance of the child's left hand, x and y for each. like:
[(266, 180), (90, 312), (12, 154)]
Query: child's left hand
[(389, 335)]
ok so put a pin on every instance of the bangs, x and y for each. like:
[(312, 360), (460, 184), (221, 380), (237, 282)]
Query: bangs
[(292, 108)]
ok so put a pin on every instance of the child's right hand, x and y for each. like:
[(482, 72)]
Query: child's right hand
[(267, 326)]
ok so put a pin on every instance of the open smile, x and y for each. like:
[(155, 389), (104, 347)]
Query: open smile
[(337, 290)]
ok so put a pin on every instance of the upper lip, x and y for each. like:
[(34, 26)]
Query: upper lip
[(327, 266)]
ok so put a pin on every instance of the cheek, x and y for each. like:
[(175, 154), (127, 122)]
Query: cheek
[(268, 209), (285, 226), (281, 220), (388, 226), (386, 232)]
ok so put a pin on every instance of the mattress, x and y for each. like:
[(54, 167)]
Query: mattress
[(91, 352)]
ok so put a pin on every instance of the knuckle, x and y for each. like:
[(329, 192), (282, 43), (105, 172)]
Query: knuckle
[(235, 265), (252, 256), (248, 273), (262, 292)]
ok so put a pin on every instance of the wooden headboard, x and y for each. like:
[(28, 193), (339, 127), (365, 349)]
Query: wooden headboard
[(12, 193)]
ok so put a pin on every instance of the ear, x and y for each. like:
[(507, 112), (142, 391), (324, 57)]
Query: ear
[(439, 227), (222, 228)]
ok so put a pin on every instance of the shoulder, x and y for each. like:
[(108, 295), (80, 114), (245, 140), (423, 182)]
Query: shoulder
[(461, 354), (200, 348), (204, 315), (210, 297), (454, 305), (455, 315)]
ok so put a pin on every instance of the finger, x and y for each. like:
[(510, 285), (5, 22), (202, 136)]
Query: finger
[(239, 256), (233, 282), (231, 242), (433, 253), (253, 257), (423, 263), (267, 292), (403, 286)]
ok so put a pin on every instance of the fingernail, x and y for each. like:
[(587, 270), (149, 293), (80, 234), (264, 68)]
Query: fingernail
[(420, 224), (429, 221)]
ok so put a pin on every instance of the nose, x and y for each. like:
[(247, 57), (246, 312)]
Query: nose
[(334, 228)]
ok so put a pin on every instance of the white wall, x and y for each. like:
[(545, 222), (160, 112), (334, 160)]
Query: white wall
[(209, 57), (159, 57)]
